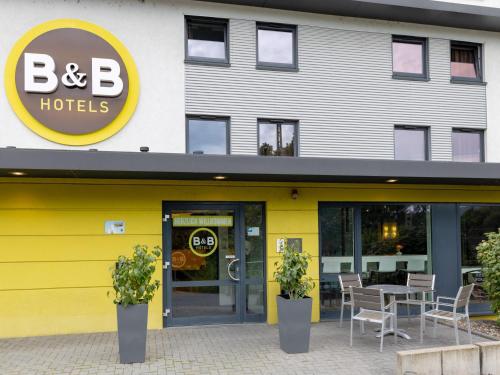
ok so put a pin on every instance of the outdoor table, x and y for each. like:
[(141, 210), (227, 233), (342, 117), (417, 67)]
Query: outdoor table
[(392, 291)]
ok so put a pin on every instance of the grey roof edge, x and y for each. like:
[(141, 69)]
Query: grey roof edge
[(430, 12), (137, 165)]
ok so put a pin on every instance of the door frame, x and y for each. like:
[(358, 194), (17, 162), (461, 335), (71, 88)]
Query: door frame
[(240, 315)]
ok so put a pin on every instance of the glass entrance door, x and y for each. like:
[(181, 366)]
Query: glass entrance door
[(206, 255)]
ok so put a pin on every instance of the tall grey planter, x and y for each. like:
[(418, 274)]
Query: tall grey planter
[(294, 324), (132, 332)]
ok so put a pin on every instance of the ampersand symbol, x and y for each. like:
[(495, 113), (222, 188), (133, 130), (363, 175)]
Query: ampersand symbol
[(72, 78)]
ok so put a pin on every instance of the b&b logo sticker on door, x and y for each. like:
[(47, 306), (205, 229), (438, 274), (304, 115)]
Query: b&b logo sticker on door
[(72, 82), (203, 242)]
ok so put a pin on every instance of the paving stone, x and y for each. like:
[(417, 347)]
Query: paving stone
[(248, 349)]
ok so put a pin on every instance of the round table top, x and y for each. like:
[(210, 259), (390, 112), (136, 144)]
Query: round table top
[(398, 289)]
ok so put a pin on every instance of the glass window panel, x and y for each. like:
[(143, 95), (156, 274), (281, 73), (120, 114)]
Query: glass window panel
[(206, 40), (255, 299), (287, 140), (275, 46), (467, 146), (337, 236), (407, 57), (410, 144), (203, 301), (207, 136), (395, 240), (268, 139), (254, 241), (464, 61), (337, 252), (475, 221), (186, 264), (331, 297), (277, 139)]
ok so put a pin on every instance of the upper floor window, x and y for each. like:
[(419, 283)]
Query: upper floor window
[(410, 143), (277, 138), (276, 46), (466, 61), (207, 40), (207, 135), (467, 145), (409, 57)]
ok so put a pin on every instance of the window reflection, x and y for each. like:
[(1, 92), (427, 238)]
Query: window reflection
[(275, 46), (207, 136), (407, 57), (410, 144), (467, 146), (206, 39), (464, 60), (394, 242), (475, 221), (277, 139)]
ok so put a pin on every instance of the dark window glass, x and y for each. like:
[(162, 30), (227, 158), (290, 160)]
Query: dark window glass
[(465, 61), (276, 45), (337, 253), (410, 143), (394, 241), (277, 139), (206, 39), (467, 146), (254, 241), (475, 221), (409, 56), (207, 136)]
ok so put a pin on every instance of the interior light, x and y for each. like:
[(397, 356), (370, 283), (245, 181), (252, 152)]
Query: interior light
[(391, 180), (17, 173), (219, 178)]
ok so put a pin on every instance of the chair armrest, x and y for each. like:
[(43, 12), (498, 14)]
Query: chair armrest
[(390, 304), (449, 298), (446, 304)]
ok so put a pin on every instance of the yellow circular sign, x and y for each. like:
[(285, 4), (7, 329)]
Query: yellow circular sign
[(71, 82), (203, 244)]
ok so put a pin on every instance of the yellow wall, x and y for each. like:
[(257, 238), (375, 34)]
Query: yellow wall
[(55, 258)]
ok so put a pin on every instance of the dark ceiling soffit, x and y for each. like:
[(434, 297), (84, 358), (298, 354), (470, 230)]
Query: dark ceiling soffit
[(429, 12), (135, 165)]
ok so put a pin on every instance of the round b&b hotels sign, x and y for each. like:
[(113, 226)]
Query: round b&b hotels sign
[(72, 82)]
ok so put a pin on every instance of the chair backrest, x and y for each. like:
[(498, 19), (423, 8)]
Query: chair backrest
[(349, 279), (421, 280), (368, 299), (463, 295)]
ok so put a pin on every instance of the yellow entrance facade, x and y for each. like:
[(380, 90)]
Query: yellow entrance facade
[(55, 257)]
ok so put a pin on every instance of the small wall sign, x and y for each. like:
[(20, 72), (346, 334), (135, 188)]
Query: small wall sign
[(114, 227)]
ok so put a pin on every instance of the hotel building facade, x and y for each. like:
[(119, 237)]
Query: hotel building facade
[(365, 132)]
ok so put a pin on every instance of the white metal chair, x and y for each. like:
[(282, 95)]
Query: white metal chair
[(419, 280), (460, 301), (345, 281), (370, 303)]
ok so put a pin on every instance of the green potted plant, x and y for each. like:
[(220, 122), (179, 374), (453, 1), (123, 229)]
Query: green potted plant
[(488, 254), (294, 304), (134, 289)]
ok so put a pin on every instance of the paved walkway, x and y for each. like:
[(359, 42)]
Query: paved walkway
[(227, 349)]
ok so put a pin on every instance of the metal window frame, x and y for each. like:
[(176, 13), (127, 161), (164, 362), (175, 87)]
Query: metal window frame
[(279, 122), (207, 60), (277, 27), (427, 138), (481, 141), (226, 119), (356, 207), (479, 62), (241, 316), (424, 42)]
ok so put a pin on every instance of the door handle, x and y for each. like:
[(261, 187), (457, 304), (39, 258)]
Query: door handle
[(234, 278)]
